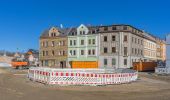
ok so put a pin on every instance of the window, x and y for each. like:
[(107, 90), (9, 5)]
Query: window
[(105, 38), (105, 62), (71, 52), (89, 41), (114, 28), (105, 50), (80, 32), (113, 49), (46, 44), (84, 32), (125, 38), (132, 50), (74, 53), (125, 61), (93, 32), (46, 53), (52, 52), (74, 42), (53, 34), (72, 33), (82, 42), (105, 28), (59, 53), (52, 62), (113, 61), (59, 43), (125, 51), (64, 53), (135, 51), (124, 27), (46, 62), (70, 42), (135, 40), (89, 52), (43, 53), (132, 39), (42, 44), (75, 33), (113, 38), (82, 52), (52, 43), (94, 41), (93, 51), (138, 41)]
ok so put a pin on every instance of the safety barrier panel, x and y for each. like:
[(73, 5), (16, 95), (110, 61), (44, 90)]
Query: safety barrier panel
[(91, 77)]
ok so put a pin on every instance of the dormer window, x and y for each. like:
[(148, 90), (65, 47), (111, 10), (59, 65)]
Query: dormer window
[(72, 33), (124, 27), (93, 32), (75, 33), (114, 28), (53, 34), (83, 32), (105, 28), (80, 32)]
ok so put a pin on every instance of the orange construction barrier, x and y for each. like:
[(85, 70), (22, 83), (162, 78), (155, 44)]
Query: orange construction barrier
[(84, 64), (144, 66)]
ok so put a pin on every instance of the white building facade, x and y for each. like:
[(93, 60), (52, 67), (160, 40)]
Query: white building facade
[(120, 46)]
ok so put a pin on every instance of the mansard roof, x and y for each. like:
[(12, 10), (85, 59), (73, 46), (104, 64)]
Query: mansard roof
[(63, 32), (100, 29)]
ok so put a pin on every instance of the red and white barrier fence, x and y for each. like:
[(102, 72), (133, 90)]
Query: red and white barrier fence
[(79, 77)]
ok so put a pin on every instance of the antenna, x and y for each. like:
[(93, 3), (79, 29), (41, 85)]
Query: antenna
[(4, 53), (61, 25)]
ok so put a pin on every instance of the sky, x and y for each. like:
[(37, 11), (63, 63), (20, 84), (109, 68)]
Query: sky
[(23, 21)]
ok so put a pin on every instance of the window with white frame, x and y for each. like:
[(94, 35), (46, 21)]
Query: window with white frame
[(113, 61), (105, 62), (70, 42), (93, 51), (82, 52)]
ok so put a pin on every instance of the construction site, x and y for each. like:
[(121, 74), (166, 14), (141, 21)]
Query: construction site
[(82, 84), (14, 85), (21, 78)]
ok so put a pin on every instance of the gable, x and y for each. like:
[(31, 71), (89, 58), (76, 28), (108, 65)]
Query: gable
[(53, 32), (82, 30)]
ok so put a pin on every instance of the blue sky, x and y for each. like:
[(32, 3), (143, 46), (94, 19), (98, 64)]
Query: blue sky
[(22, 21)]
